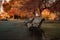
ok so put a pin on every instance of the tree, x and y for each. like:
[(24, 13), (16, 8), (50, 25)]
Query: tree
[(28, 6), (6, 6)]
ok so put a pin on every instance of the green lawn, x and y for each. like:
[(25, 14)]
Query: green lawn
[(52, 30), (15, 29)]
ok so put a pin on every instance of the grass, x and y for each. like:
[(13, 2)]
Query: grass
[(52, 30)]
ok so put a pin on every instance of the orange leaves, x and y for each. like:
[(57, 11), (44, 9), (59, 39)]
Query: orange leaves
[(48, 15), (4, 15), (45, 13)]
